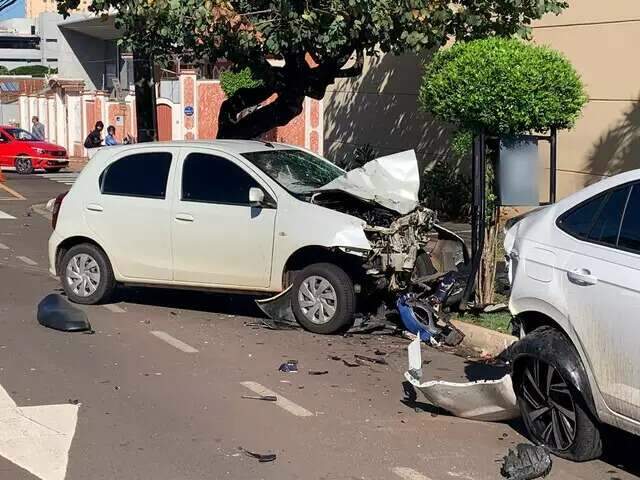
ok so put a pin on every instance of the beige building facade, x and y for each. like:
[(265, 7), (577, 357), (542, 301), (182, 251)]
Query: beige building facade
[(33, 8), (600, 38)]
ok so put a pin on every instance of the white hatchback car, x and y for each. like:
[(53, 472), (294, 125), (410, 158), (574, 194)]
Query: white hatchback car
[(245, 216), (574, 268)]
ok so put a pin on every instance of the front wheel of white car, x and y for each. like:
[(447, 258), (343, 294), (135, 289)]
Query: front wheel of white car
[(323, 299), (86, 275)]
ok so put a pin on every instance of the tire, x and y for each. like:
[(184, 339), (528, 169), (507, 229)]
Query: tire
[(334, 297), (24, 165), (554, 395), (94, 289)]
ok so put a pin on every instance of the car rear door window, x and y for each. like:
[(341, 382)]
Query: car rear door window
[(629, 238), (138, 175), (578, 222), (606, 227), (213, 179)]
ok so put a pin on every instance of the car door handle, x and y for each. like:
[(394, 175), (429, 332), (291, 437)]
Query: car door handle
[(184, 217), (94, 207), (582, 277)]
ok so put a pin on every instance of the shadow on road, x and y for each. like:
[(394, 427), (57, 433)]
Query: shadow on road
[(621, 452), (223, 303)]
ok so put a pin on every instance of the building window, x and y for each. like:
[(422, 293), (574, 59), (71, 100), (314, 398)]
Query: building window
[(51, 40), (52, 59)]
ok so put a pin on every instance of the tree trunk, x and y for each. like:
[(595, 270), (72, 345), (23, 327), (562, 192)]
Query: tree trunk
[(487, 273), (146, 121)]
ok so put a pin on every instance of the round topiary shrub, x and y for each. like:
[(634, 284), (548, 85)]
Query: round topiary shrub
[(502, 86)]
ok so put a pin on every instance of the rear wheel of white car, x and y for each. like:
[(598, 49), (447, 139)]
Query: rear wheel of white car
[(323, 298), (86, 275), (547, 370)]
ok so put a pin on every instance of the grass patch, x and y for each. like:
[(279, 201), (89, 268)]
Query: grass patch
[(498, 321)]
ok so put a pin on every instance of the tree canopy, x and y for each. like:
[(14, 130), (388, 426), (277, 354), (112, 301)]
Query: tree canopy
[(502, 86), (298, 48)]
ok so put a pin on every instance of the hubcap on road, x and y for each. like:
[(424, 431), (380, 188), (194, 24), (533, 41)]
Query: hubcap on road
[(83, 275), (317, 299), (548, 405)]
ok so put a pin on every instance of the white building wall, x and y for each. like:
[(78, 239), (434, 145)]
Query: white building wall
[(52, 134), (61, 121), (25, 119)]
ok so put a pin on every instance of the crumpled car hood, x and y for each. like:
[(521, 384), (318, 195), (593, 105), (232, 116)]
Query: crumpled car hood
[(392, 181)]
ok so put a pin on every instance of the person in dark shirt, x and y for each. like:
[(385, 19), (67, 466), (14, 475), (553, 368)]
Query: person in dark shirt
[(94, 139)]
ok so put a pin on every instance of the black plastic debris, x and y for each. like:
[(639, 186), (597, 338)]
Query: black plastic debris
[(318, 372), (266, 398), (290, 366), (379, 361), (347, 363), (262, 457), (526, 462), (54, 311)]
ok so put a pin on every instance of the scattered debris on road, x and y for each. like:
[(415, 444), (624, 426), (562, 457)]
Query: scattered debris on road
[(290, 366), (266, 398), (318, 372), (526, 462), (55, 312), (262, 457), (379, 361)]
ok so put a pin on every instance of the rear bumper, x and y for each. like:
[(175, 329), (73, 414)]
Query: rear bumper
[(54, 240)]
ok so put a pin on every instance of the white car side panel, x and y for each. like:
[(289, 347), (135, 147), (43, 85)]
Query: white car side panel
[(302, 224), (222, 245)]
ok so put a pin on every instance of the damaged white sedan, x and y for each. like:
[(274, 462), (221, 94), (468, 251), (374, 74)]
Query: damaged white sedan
[(248, 216)]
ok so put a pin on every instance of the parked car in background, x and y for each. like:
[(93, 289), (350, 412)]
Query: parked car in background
[(246, 216), (574, 268), (19, 149)]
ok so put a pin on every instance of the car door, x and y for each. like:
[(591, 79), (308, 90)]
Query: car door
[(219, 239), (129, 213), (7, 154), (602, 284)]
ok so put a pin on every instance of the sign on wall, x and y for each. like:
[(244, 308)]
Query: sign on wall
[(188, 111)]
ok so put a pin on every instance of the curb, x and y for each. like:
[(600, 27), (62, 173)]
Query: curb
[(483, 340)]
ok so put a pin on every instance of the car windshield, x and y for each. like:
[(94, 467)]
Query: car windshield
[(20, 134), (297, 171)]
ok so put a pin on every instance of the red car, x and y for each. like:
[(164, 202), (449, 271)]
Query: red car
[(19, 149)]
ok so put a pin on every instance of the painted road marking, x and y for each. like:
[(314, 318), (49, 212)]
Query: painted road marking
[(409, 473), (3, 247), (285, 404), (64, 178), (174, 342), (11, 192), (27, 260), (6, 216), (115, 308), (38, 438)]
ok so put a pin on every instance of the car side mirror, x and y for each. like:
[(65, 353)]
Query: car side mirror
[(256, 197)]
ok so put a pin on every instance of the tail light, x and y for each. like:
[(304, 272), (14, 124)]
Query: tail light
[(56, 209)]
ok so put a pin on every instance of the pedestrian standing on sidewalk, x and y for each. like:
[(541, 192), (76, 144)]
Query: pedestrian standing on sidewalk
[(111, 139), (37, 130), (94, 139)]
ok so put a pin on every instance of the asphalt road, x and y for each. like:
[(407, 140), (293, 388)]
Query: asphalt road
[(157, 389)]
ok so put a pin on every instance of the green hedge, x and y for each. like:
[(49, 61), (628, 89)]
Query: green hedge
[(231, 82), (504, 86)]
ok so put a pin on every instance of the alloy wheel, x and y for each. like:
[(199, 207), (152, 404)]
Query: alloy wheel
[(548, 405), (317, 299), (83, 275)]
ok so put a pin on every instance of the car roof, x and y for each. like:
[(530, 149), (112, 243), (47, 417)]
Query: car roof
[(234, 146)]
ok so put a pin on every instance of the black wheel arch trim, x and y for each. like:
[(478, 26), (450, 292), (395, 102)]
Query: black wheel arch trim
[(551, 346)]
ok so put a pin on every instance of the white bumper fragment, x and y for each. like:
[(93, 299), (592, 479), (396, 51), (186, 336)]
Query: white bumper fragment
[(486, 400)]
